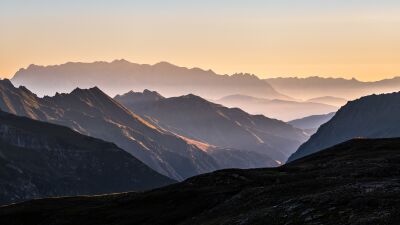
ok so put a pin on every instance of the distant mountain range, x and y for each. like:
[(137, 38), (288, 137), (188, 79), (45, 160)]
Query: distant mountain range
[(121, 76), (199, 119), (352, 183), (280, 109), (310, 124), (40, 160), (338, 102), (314, 87), (374, 116)]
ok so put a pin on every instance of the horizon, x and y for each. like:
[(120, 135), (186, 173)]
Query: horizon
[(341, 39)]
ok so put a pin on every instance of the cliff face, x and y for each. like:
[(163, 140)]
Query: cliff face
[(43, 160)]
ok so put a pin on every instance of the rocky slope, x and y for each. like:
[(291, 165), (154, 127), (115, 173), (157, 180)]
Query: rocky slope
[(199, 119), (120, 76), (39, 160), (374, 116), (93, 113), (356, 182)]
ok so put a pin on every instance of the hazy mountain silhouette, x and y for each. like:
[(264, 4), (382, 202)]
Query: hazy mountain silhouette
[(310, 124), (374, 116), (120, 76), (338, 102), (352, 183), (39, 160), (279, 109), (199, 119), (313, 87)]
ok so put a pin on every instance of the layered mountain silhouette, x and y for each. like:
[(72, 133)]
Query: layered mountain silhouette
[(194, 117), (39, 159), (280, 109), (338, 102), (310, 124), (352, 183), (314, 87), (92, 112), (120, 76), (374, 116)]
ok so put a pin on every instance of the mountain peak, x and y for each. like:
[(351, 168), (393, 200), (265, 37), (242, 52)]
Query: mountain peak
[(121, 61), (139, 97), (6, 82)]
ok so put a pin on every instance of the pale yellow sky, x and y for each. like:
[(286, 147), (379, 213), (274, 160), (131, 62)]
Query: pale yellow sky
[(268, 38)]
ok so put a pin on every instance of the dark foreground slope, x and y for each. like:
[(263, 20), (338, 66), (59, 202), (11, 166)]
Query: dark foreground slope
[(39, 160), (356, 182)]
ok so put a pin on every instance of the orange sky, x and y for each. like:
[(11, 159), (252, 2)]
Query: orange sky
[(268, 38)]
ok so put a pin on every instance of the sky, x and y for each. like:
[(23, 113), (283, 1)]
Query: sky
[(270, 38)]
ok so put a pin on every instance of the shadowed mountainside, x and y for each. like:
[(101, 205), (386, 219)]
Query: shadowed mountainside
[(279, 109), (374, 116), (121, 76), (355, 182), (199, 119), (39, 160)]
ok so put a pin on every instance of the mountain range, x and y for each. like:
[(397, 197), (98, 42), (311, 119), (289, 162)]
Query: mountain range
[(93, 113), (285, 110), (355, 182), (39, 159), (374, 116), (121, 76), (194, 117), (316, 87)]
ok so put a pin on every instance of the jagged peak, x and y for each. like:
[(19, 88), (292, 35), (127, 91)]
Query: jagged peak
[(93, 90), (6, 82)]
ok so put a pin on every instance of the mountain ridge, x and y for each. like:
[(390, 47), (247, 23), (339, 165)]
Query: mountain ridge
[(120, 76), (196, 118)]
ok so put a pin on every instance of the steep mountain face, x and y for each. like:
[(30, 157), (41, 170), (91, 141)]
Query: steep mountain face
[(313, 87), (279, 109), (311, 124), (93, 113), (121, 76), (374, 116), (352, 183), (199, 119), (39, 160)]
